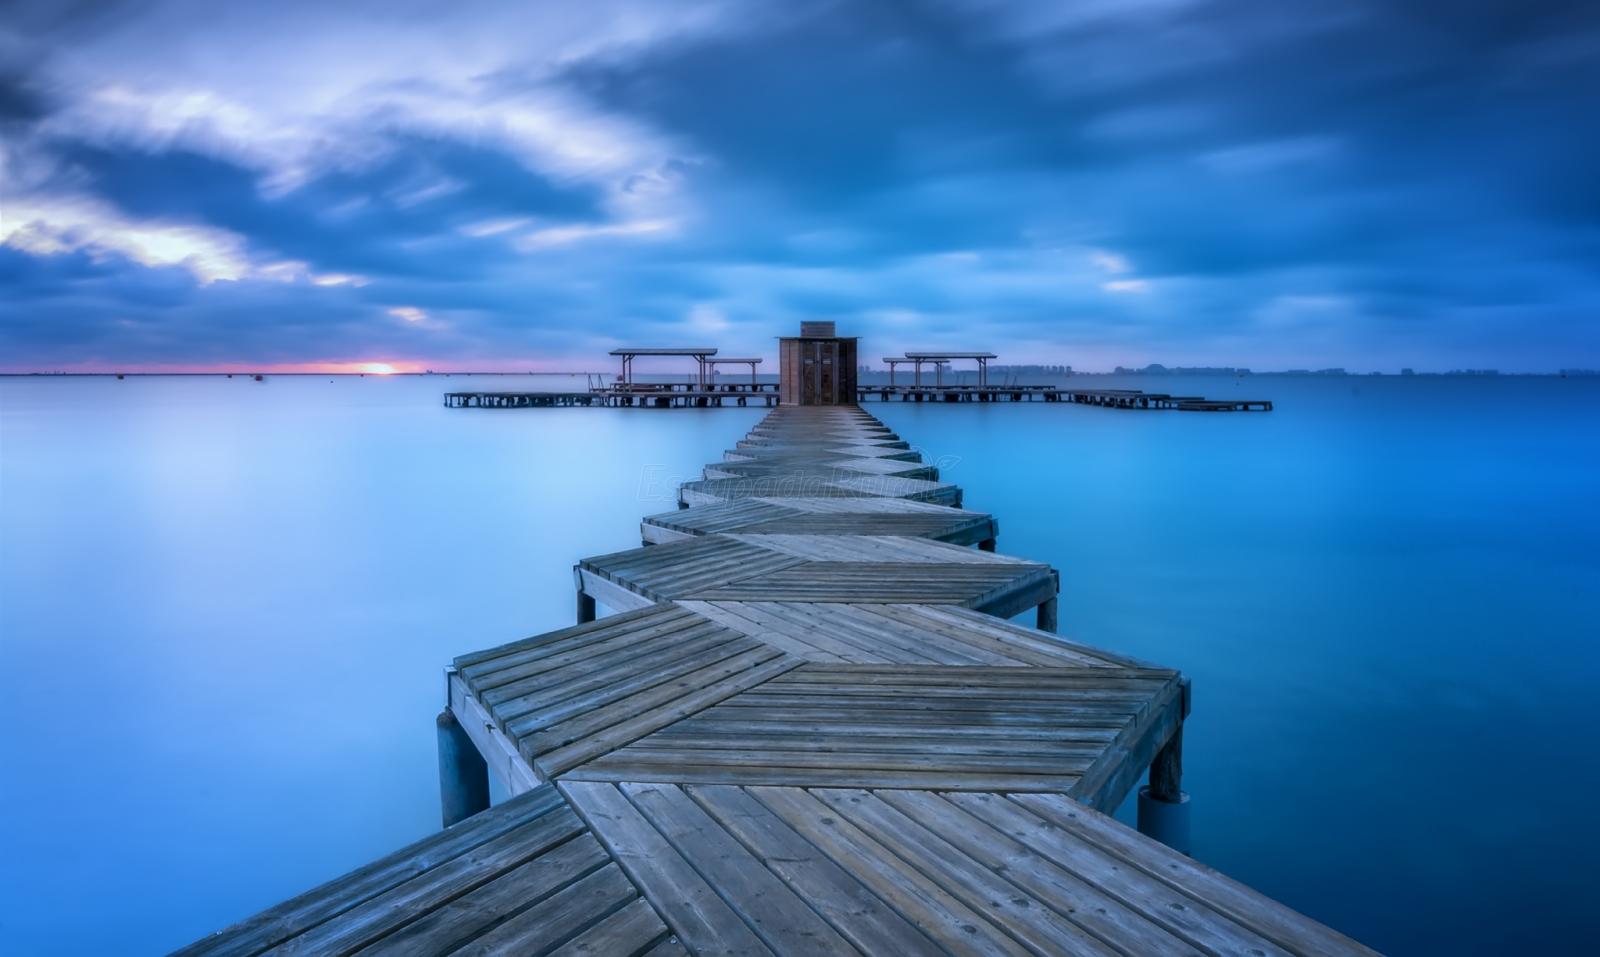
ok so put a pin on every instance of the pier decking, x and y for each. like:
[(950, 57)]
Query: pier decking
[(823, 485), (819, 569), (824, 516), (525, 877), (800, 741)]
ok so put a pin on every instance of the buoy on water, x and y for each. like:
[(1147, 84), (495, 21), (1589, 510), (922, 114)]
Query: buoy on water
[(259, 378)]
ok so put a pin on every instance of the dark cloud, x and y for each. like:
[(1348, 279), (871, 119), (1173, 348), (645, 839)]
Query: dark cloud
[(20, 102), (830, 107), (1169, 178), (401, 214)]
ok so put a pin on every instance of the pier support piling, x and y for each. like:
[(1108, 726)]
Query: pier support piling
[(1047, 614), (987, 545), (463, 774), (1163, 805), (586, 610)]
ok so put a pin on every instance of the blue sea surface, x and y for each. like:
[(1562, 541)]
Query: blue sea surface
[(225, 607)]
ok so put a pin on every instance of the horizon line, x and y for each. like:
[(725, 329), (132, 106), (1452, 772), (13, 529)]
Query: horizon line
[(1239, 371)]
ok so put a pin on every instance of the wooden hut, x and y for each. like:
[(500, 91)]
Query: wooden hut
[(817, 367)]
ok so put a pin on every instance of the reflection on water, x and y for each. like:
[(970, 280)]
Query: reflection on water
[(225, 608)]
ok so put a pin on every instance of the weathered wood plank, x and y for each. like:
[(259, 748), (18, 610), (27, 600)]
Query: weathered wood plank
[(631, 930), (624, 769), (1158, 864), (580, 906), (959, 929), (467, 917), (1069, 894), (565, 639), (435, 887), (871, 925), (783, 920), (1004, 903), (600, 736), (548, 708), (690, 906), (327, 901)]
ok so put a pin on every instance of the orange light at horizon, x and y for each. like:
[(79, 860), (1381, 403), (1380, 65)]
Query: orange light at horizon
[(499, 364), (349, 368)]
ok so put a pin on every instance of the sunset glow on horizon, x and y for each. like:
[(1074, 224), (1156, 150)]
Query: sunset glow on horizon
[(321, 367)]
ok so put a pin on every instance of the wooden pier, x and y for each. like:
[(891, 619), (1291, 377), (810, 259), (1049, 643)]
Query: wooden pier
[(819, 367), (1105, 398), (690, 396), (634, 396), (807, 727)]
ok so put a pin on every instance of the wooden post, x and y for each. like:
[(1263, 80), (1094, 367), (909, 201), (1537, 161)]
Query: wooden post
[(1163, 807), (1047, 614), (463, 774), (1166, 771), (987, 545), (586, 610)]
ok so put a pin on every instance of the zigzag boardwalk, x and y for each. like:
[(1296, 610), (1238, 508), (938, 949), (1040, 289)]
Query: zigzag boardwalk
[(807, 728)]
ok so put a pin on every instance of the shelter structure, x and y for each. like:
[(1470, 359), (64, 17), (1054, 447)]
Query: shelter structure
[(892, 362), (936, 357), (817, 367), (628, 354)]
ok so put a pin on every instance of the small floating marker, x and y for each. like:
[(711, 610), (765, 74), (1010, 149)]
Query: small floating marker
[(119, 376), (260, 378)]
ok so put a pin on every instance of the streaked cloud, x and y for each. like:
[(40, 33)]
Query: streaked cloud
[(565, 235), (1207, 181), (408, 313), (339, 279), (494, 227), (52, 226), (1113, 263)]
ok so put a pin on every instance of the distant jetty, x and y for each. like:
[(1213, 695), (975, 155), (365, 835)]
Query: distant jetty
[(820, 367)]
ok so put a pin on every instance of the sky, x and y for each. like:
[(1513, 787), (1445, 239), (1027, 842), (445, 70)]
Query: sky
[(310, 185)]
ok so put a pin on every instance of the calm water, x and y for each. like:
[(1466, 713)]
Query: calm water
[(225, 606)]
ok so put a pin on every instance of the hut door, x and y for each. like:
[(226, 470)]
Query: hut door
[(817, 373)]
